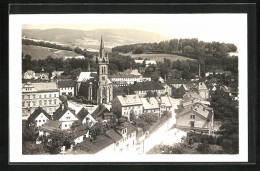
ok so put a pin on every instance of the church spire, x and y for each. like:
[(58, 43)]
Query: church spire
[(102, 49)]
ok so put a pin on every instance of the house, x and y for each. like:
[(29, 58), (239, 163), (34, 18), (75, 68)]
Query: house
[(113, 141), (66, 87), (176, 82), (49, 126), (124, 105), (39, 116), (65, 115), (129, 79), (43, 76), (34, 95), (150, 105), (81, 132), (195, 116), (149, 62), (139, 61), (100, 112), (29, 75), (203, 90), (85, 117), (56, 74), (166, 101), (141, 89)]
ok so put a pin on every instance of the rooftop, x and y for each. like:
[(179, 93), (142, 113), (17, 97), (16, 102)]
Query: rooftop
[(84, 76), (51, 125), (129, 100), (37, 112), (66, 83), (150, 103), (148, 85)]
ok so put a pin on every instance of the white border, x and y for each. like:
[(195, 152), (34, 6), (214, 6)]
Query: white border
[(15, 116)]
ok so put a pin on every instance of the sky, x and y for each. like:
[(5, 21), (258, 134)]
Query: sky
[(228, 28)]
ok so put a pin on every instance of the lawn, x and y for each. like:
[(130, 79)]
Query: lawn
[(38, 52), (157, 57)]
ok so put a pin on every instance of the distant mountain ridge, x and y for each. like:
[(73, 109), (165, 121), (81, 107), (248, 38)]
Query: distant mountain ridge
[(91, 38)]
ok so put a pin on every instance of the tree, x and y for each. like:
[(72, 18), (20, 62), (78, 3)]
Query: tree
[(30, 131), (132, 115), (98, 129), (56, 139), (149, 118), (155, 76), (149, 94)]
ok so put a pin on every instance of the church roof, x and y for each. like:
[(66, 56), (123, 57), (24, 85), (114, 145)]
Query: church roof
[(84, 76)]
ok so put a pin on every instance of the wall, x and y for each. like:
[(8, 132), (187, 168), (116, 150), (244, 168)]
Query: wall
[(41, 119), (67, 90), (184, 121), (49, 101)]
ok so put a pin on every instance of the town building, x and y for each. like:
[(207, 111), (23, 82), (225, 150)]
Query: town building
[(81, 132), (139, 61), (65, 115), (49, 126), (56, 74), (150, 105), (149, 62), (39, 116), (203, 90), (195, 116), (141, 89), (177, 82), (124, 105), (122, 139), (67, 87), (121, 80), (34, 95), (28, 75)]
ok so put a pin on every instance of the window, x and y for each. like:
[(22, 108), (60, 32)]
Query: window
[(45, 102), (192, 116), (65, 125), (23, 104), (49, 102), (45, 96), (49, 95), (68, 117), (192, 124), (22, 96), (40, 96), (29, 103), (40, 120), (40, 102), (34, 96), (36, 121), (34, 103), (43, 120), (28, 96), (117, 144), (55, 100), (54, 95)]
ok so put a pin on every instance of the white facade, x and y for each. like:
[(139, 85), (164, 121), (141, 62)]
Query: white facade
[(41, 119), (67, 91), (67, 119)]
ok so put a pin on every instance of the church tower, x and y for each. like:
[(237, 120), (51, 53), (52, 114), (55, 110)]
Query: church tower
[(105, 88)]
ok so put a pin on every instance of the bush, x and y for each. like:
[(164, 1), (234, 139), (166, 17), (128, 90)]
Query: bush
[(145, 126), (204, 148), (149, 118)]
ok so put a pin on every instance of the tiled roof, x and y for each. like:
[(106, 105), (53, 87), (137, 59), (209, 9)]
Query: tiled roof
[(66, 83), (81, 130), (166, 100), (150, 103), (50, 86), (115, 136), (148, 85), (51, 125), (84, 76), (129, 100), (57, 115), (93, 147), (37, 112), (130, 127), (101, 109), (198, 108), (82, 113)]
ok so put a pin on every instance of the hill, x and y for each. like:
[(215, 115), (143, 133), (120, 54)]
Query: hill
[(157, 57), (91, 38), (38, 52)]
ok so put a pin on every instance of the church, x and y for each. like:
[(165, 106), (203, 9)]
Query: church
[(96, 86)]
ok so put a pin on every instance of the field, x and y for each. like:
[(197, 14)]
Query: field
[(157, 57), (38, 52)]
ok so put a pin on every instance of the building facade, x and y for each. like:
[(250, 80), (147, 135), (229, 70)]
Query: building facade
[(45, 95)]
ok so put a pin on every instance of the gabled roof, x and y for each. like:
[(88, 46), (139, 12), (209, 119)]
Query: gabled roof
[(84, 76), (148, 85), (150, 103), (59, 114), (82, 113), (193, 95), (101, 109), (115, 136), (66, 83), (100, 143), (81, 130), (130, 127), (202, 86), (166, 101), (37, 112), (129, 100), (197, 108), (51, 125)]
